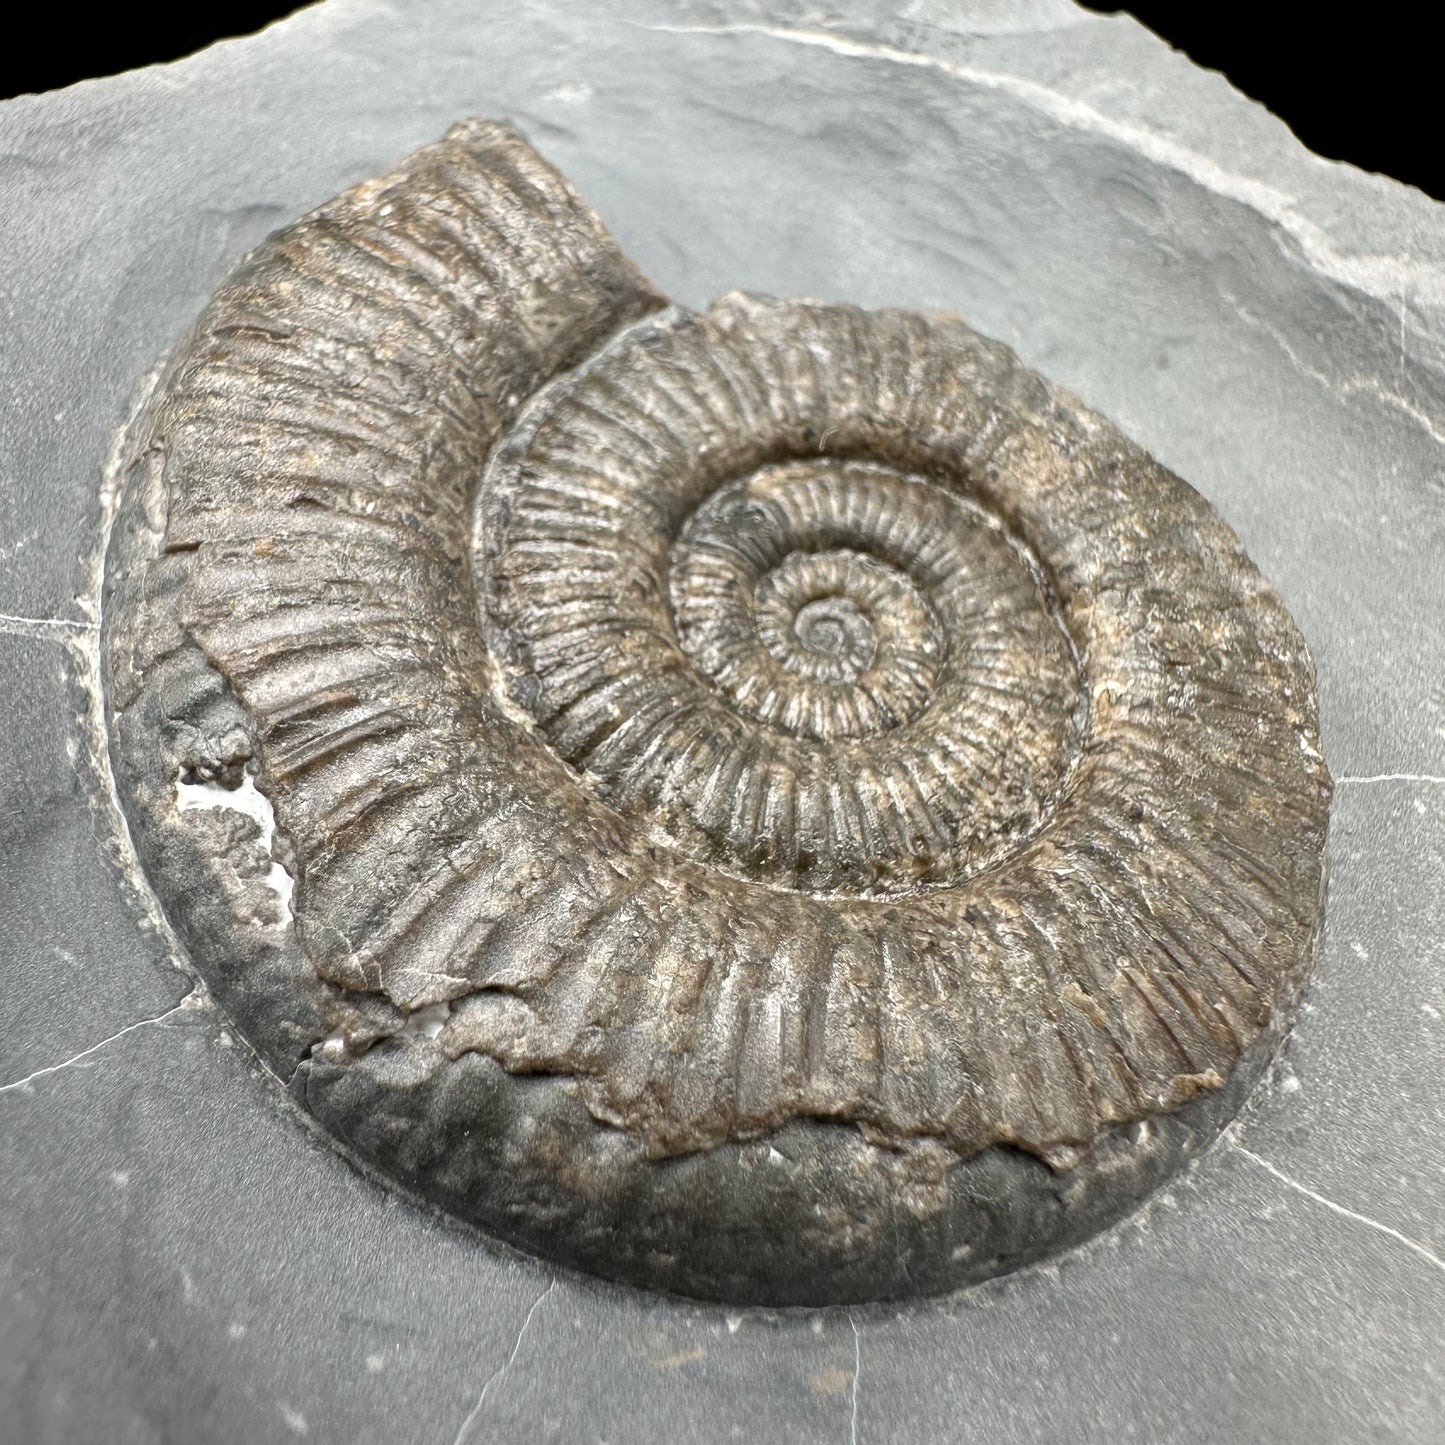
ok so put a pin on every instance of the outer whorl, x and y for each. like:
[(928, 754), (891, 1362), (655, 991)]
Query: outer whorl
[(783, 802)]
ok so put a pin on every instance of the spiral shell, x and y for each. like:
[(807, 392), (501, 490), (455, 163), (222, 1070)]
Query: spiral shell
[(782, 723), (767, 619)]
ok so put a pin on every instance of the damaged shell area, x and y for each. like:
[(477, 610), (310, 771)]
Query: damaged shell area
[(781, 803)]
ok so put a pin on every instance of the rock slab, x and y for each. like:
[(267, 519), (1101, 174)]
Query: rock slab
[(183, 1260)]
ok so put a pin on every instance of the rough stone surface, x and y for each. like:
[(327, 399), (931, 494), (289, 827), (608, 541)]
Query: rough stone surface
[(184, 1261)]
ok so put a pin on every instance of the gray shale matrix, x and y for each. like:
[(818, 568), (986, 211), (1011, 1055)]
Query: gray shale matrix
[(185, 1262)]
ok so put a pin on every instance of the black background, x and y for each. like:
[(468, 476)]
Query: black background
[(1363, 92)]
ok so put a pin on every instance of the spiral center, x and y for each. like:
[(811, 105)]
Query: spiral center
[(835, 629), (815, 615), (783, 601)]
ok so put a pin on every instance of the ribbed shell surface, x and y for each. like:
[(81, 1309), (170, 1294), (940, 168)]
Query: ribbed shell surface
[(780, 712)]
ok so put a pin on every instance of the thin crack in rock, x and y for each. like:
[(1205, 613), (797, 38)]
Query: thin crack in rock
[(853, 1388), (185, 1004), (14, 626), (1392, 778), (1346, 388), (1379, 277), (496, 1375), (1414, 1246)]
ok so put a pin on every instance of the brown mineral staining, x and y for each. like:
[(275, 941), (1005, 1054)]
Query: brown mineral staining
[(781, 713)]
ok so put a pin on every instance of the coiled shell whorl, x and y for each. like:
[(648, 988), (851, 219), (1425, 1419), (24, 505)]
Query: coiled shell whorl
[(783, 802)]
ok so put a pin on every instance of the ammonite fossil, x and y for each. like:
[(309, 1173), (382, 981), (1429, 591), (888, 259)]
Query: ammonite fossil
[(781, 803)]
